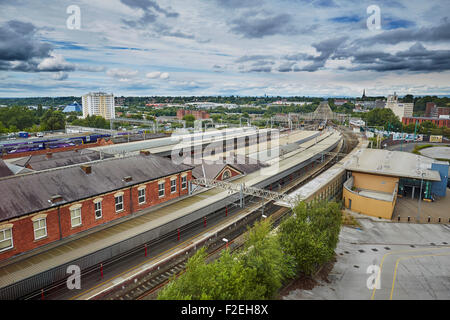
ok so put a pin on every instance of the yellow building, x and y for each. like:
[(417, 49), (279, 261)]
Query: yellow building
[(370, 194), (376, 177)]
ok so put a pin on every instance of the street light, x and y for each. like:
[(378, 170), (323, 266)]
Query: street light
[(226, 241), (420, 198)]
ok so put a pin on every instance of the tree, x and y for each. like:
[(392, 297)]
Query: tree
[(53, 120), (224, 279), (311, 234), (264, 254), (189, 118)]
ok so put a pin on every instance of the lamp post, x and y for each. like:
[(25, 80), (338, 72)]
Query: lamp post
[(420, 199)]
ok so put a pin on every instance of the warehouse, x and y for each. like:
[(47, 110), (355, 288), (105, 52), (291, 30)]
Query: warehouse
[(43, 207), (377, 177)]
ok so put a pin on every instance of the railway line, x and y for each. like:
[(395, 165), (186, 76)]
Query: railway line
[(169, 241), (148, 286)]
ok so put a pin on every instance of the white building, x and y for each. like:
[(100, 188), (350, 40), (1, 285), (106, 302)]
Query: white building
[(400, 109), (99, 104)]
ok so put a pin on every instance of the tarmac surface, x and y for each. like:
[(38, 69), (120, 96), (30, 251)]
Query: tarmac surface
[(408, 207), (410, 261), (436, 152)]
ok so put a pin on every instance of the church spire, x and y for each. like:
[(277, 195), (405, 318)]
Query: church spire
[(364, 94)]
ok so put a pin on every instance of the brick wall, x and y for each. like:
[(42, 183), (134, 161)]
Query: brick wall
[(23, 231)]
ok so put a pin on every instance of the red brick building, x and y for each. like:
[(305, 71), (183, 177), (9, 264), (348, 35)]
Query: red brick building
[(198, 114), (439, 122), (433, 111), (47, 206)]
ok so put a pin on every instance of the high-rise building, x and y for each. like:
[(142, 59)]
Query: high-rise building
[(99, 104), (400, 109)]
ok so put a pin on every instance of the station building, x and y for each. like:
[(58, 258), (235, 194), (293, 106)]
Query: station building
[(375, 178), (44, 207)]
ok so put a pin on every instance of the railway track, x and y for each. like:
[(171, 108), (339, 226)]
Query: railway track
[(158, 279), (149, 286)]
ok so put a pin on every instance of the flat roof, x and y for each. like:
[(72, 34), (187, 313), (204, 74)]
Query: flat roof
[(393, 163)]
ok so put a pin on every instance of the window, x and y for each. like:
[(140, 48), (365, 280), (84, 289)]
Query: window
[(98, 209), (161, 186), (75, 217), (141, 195), (6, 240), (40, 228), (119, 203), (226, 174), (173, 186), (183, 182)]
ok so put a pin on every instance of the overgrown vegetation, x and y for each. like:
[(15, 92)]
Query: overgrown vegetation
[(304, 241), (417, 148)]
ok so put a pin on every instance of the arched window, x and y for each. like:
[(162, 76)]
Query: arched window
[(226, 174)]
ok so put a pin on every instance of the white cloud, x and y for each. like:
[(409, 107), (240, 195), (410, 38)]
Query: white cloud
[(122, 74), (61, 75), (55, 63), (158, 75)]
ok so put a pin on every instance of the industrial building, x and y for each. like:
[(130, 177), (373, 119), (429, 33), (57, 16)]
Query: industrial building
[(377, 177)]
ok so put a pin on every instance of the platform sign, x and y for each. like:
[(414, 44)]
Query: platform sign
[(435, 138)]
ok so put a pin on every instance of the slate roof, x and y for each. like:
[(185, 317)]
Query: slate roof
[(60, 159), (239, 163), (4, 170), (28, 193)]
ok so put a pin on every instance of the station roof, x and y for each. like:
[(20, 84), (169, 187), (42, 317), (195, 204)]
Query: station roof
[(28, 193), (393, 163), (4, 170), (59, 159)]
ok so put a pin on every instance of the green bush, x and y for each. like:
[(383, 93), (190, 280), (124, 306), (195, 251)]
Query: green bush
[(311, 235)]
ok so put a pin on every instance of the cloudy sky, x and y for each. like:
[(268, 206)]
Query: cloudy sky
[(224, 47)]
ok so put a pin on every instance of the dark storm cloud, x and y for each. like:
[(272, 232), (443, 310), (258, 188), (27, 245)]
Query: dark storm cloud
[(326, 49), (425, 34), (416, 58), (286, 67), (150, 6), (150, 19), (247, 58), (260, 24), (17, 43)]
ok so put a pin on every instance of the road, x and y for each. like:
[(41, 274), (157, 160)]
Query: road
[(413, 262)]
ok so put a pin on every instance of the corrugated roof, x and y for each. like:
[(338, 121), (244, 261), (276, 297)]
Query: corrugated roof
[(29, 193)]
